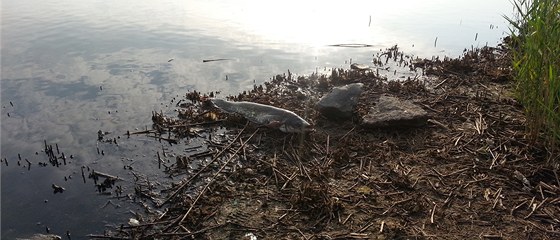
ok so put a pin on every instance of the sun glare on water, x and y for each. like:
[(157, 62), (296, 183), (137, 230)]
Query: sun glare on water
[(314, 23)]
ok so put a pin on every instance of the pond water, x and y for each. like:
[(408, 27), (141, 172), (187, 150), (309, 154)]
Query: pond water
[(70, 68)]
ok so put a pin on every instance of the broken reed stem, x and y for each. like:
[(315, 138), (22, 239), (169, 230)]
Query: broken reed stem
[(497, 197), (442, 82), (326, 162), (203, 169), (366, 226), (288, 181), (433, 212), (346, 134), (158, 160), (214, 176), (535, 207), (105, 175), (347, 218)]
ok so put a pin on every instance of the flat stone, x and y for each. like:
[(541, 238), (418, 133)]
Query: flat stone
[(391, 112), (339, 104)]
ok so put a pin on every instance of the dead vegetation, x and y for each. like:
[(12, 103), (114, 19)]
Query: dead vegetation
[(470, 173)]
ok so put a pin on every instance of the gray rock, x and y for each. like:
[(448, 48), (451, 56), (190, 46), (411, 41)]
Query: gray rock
[(340, 102), (393, 113)]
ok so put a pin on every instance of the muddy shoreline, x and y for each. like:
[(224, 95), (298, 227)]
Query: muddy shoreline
[(469, 173)]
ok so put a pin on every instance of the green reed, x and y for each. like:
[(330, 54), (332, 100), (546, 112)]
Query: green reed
[(535, 36)]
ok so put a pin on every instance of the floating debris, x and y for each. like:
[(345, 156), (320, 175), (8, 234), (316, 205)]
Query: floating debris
[(57, 189), (214, 60)]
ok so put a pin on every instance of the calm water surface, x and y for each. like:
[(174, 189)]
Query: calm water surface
[(73, 67)]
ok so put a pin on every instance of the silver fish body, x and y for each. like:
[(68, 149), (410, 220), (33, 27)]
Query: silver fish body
[(285, 120)]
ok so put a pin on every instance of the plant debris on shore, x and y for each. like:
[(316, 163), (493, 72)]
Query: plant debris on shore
[(470, 173)]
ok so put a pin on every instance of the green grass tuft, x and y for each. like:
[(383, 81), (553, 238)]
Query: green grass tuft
[(535, 31)]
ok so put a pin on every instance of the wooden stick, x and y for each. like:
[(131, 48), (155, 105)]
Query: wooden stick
[(346, 220), (442, 82), (105, 175)]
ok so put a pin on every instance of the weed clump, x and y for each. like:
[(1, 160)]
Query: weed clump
[(535, 39)]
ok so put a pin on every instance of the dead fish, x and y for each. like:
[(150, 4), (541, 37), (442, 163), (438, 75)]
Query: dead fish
[(285, 120), (359, 67)]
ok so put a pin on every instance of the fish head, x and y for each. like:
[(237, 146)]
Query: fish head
[(295, 126), (215, 101)]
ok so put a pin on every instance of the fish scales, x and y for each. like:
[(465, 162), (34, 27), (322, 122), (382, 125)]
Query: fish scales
[(284, 120)]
